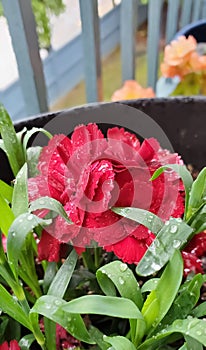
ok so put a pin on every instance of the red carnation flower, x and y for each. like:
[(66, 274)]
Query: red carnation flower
[(13, 345), (90, 174)]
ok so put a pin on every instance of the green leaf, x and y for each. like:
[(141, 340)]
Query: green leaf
[(12, 145), (6, 191), (104, 305), (51, 307), (20, 193), (160, 300), (11, 307), (119, 343), (32, 155), (51, 204), (193, 327), (18, 232), (200, 310), (198, 220), (63, 276), (49, 274), (172, 236), (97, 336), (184, 174), (197, 194), (149, 285), (183, 304), (117, 274), (26, 342), (143, 217), (33, 131), (6, 216), (193, 344)]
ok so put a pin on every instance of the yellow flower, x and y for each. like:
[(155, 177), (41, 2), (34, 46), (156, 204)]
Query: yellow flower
[(132, 90)]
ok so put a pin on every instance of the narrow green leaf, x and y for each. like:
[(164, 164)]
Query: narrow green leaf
[(51, 204), (192, 344), (198, 220), (97, 336), (18, 232), (104, 305), (63, 276), (33, 131), (149, 285), (49, 274), (183, 304), (51, 307), (116, 274), (119, 343), (198, 193), (32, 155), (11, 307), (6, 216), (26, 341), (160, 300), (193, 327), (12, 145), (172, 236), (184, 174), (200, 310), (6, 191), (20, 193), (143, 217)]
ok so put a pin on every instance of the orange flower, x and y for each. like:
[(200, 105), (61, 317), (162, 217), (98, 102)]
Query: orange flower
[(181, 58), (132, 90)]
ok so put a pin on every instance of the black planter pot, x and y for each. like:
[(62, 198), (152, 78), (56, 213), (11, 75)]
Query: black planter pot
[(183, 120)]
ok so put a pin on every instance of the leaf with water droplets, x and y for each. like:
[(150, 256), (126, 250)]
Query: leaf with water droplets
[(51, 204), (183, 304), (161, 298), (52, 308), (20, 193), (6, 191), (193, 327), (197, 194), (26, 341), (6, 216), (32, 155), (63, 276), (172, 236), (184, 174), (11, 143), (33, 131), (116, 274), (143, 217), (20, 228), (119, 343)]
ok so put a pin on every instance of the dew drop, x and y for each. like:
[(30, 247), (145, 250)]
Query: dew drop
[(176, 243), (155, 266), (123, 267), (30, 217), (121, 281), (41, 202), (199, 333), (173, 229), (57, 302), (13, 234), (47, 306)]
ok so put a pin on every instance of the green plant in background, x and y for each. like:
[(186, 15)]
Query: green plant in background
[(43, 9), (153, 306)]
